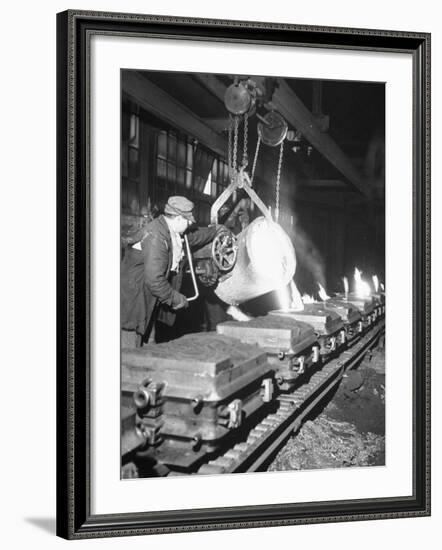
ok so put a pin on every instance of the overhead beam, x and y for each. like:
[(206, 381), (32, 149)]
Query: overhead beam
[(220, 124), (212, 83), (158, 102), (296, 113), (155, 100)]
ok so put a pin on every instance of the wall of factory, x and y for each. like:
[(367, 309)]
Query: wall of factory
[(158, 161)]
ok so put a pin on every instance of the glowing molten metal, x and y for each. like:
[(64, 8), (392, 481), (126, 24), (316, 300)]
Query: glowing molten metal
[(237, 314), (289, 298)]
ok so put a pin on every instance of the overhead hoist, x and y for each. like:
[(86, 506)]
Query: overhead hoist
[(240, 100), (231, 263)]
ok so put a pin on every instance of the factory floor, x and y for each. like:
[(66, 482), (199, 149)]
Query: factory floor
[(349, 430)]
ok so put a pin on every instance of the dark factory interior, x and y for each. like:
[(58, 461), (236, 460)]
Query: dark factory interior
[(175, 141), (286, 179)]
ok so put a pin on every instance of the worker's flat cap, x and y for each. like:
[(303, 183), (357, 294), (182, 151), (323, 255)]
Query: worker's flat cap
[(180, 206)]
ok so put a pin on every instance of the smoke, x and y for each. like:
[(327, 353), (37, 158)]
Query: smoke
[(307, 255)]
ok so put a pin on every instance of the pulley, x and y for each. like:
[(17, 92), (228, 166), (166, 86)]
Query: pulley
[(273, 129), (238, 99), (224, 250)]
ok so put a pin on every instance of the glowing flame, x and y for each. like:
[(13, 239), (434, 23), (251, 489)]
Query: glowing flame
[(307, 299), (345, 281), (362, 288), (237, 314), (375, 283), (322, 293), (382, 287)]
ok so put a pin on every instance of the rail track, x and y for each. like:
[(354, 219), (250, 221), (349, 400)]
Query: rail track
[(265, 439)]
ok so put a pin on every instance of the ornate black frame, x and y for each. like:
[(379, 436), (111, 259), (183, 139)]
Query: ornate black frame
[(74, 519)]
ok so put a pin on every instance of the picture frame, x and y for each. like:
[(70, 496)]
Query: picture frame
[(75, 518)]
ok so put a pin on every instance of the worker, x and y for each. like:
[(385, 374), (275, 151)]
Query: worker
[(151, 271)]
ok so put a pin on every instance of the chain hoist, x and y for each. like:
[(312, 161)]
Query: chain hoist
[(235, 145), (245, 159), (255, 160), (229, 148), (240, 102), (278, 181), (272, 130)]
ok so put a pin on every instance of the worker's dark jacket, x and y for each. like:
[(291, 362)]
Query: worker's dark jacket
[(148, 288)]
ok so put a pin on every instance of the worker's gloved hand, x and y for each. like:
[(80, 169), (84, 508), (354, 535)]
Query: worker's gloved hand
[(179, 302)]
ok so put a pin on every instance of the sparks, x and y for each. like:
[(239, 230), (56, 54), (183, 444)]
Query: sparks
[(345, 281)]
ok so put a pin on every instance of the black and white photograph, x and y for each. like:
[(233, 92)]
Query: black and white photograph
[(252, 280), (243, 275), (222, 259)]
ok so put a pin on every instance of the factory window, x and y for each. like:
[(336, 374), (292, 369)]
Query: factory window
[(174, 166), (157, 162), (186, 167), (220, 177), (130, 162), (180, 164), (208, 187)]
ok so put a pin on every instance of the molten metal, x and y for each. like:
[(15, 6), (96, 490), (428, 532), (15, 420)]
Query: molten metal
[(237, 314), (289, 297)]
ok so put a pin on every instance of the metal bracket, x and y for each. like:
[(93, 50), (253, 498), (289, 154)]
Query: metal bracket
[(241, 181), (148, 394), (235, 413), (267, 390)]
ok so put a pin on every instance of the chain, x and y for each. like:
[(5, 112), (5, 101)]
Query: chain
[(258, 143), (245, 159), (229, 147), (235, 144), (278, 181)]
